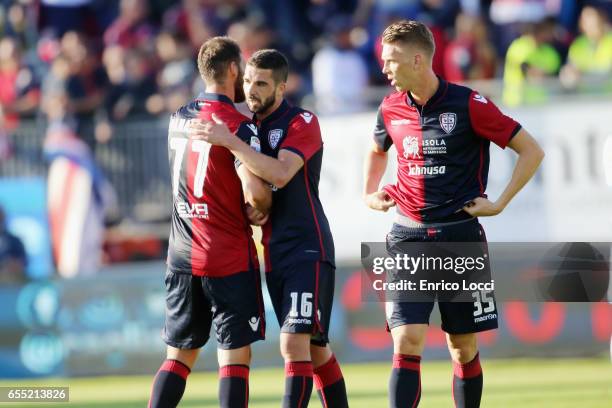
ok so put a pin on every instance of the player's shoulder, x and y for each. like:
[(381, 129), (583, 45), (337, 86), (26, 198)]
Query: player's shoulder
[(459, 92), (231, 116), (393, 98), (188, 111), (303, 117)]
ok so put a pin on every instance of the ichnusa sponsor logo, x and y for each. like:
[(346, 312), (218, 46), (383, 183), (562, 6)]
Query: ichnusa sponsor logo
[(416, 170), (195, 210)]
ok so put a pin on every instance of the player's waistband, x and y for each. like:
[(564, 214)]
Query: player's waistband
[(457, 218)]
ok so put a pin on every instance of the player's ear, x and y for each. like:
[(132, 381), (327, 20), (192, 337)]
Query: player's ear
[(417, 61), (234, 69), (280, 89)]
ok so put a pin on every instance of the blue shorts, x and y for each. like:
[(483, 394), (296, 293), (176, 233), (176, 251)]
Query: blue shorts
[(233, 303), (302, 296), (457, 317)]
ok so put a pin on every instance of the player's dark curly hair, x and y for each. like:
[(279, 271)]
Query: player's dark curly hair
[(214, 57), (271, 59), (410, 32)]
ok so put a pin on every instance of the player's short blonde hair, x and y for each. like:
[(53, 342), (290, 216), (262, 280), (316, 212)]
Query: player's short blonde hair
[(410, 32)]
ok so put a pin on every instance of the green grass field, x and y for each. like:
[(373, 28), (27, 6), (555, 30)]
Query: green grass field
[(525, 383)]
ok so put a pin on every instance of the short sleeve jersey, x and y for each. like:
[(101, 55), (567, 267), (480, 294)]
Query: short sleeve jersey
[(297, 229), (442, 149), (210, 233)]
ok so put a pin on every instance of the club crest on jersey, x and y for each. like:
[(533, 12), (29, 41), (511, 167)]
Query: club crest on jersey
[(307, 116), (448, 121), (274, 137), (411, 147)]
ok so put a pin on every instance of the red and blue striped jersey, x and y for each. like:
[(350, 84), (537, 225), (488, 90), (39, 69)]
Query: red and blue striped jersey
[(442, 149), (297, 229), (210, 233)]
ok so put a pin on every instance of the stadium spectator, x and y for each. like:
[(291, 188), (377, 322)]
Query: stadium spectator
[(19, 92), (469, 55), (13, 258), (339, 73), (132, 27), (590, 55), (531, 59), (61, 16), (87, 81), (251, 35), (18, 21), (510, 17), (199, 20), (133, 85), (176, 74)]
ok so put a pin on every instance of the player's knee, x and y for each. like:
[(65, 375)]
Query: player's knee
[(295, 347), (240, 355), (408, 341), (185, 356), (462, 347), (320, 355)]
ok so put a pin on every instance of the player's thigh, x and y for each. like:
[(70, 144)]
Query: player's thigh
[(302, 295), (469, 317), (185, 356), (320, 355), (480, 314), (404, 313), (238, 310), (241, 355), (409, 338), (188, 315)]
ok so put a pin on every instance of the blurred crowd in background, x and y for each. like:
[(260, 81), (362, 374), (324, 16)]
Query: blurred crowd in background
[(69, 60), (81, 69)]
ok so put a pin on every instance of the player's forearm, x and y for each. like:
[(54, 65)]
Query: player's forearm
[(374, 169), (265, 167), (256, 192), (526, 166)]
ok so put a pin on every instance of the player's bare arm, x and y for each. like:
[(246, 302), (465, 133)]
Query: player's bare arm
[(530, 156), (275, 171), (256, 192), (374, 169)]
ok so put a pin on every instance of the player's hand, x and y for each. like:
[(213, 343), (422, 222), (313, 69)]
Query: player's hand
[(482, 207), (214, 132), (379, 200), (255, 216)]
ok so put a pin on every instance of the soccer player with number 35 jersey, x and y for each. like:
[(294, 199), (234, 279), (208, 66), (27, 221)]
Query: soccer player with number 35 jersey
[(213, 274), (442, 133)]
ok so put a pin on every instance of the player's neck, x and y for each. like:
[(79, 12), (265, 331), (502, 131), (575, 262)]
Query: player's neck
[(220, 90), (426, 88)]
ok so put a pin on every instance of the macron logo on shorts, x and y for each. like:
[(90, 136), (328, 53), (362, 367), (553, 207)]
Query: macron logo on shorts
[(254, 323)]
